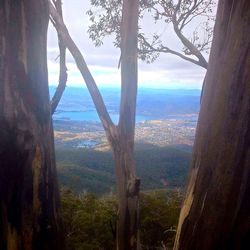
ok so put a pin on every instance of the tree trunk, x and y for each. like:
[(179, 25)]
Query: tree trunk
[(216, 210), (29, 197), (128, 187), (127, 184)]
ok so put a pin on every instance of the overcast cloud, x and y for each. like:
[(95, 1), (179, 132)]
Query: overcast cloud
[(168, 71)]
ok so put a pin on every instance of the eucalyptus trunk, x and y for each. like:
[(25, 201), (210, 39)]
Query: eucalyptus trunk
[(29, 197), (128, 187), (216, 210), (128, 184)]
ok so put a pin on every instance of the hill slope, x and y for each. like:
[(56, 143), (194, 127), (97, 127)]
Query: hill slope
[(93, 171)]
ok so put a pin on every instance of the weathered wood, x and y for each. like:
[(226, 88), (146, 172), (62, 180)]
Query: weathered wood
[(29, 198), (216, 210)]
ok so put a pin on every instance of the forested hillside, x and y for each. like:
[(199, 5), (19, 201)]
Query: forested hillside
[(93, 171)]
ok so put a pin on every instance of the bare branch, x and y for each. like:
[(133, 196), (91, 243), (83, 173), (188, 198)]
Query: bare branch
[(194, 12), (63, 69), (188, 44), (164, 49), (187, 14), (83, 68)]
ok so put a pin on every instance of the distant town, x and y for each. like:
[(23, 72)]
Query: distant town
[(156, 132)]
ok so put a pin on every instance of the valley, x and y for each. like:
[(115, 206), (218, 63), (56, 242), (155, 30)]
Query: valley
[(164, 136)]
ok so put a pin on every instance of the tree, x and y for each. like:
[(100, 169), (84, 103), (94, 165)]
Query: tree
[(121, 136), (63, 76), (90, 220), (216, 210), (29, 199), (106, 18)]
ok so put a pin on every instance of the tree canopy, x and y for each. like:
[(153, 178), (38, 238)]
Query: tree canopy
[(183, 15), (90, 221)]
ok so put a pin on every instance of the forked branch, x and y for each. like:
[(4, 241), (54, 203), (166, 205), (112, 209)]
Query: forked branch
[(85, 72)]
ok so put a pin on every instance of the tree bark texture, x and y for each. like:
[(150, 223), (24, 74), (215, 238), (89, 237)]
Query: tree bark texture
[(128, 185), (29, 197), (216, 210)]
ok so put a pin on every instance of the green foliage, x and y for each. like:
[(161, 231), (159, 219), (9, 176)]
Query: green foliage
[(105, 18), (90, 222), (93, 171), (159, 217)]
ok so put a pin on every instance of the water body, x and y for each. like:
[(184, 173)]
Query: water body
[(77, 105), (90, 116)]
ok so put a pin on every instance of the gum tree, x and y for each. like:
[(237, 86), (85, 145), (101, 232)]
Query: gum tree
[(182, 15), (216, 210), (29, 198), (121, 136)]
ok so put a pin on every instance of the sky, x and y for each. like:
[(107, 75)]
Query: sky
[(167, 72)]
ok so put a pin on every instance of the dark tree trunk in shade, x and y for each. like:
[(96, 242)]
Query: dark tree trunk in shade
[(29, 197), (216, 210)]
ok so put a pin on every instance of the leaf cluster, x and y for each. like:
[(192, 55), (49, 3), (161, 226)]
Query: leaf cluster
[(105, 18)]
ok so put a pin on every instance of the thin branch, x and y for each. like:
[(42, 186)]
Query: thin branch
[(164, 49), (184, 14), (190, 46), (189, 16), (63, 69), (83, 68), (184, 40)]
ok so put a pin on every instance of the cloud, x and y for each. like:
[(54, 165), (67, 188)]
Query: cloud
[(168, 71)]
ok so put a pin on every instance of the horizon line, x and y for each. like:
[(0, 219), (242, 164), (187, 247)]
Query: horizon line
[(139, 87)]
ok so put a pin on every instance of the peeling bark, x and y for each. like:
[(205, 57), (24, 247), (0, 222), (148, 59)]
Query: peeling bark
[(216, 210), (29, 197)]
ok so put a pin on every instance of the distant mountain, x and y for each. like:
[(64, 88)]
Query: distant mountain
[(76, 104), (164, 103)]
